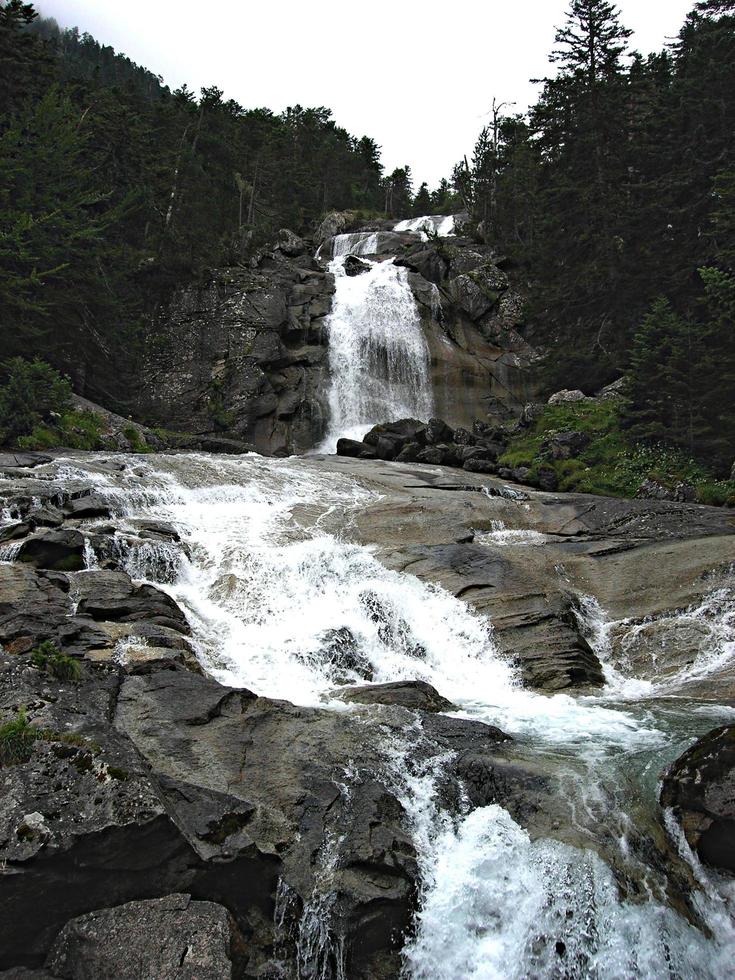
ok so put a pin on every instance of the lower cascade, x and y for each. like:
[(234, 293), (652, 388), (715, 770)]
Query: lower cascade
[(378, 354), (289, 593)]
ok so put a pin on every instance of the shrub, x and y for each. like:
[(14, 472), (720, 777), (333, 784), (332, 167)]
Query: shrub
[(47, 657), (17, 738), (33, 394)]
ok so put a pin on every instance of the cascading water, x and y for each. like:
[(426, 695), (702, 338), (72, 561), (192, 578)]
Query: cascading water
[(378, 355), (437, 224), (282, 602)]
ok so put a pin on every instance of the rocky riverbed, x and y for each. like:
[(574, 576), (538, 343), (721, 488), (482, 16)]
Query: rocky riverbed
[(288, 714)]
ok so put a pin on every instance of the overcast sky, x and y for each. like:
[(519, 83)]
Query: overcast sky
[(417, 75)]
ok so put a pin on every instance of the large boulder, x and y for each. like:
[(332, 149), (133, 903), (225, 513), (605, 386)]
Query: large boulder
[(335, 223), (290, 244), (567, 396), (699, 787), (170, 938), (57, 549)]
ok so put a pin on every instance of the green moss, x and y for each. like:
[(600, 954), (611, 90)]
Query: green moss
[(74, 430), (115, 773)]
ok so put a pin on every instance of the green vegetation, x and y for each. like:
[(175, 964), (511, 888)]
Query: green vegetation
[(17, 738), (36, 409), (611, 462), (47, 657)]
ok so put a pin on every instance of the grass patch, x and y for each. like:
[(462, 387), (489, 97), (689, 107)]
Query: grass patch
[(611, 463), (74, 430), (17, 738), (56, 664)]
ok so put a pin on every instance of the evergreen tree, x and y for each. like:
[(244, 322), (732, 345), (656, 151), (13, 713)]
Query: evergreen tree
[(422, 201)]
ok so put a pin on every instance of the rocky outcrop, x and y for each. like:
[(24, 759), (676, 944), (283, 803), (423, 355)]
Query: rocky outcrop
[(700, 790), (242, 355)]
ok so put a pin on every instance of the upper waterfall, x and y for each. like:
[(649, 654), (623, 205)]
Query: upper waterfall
[(378, 355), (442, 225)]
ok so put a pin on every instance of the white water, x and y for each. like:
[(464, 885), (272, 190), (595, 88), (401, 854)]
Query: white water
[(378, 355), (267, 589), (438, 224)]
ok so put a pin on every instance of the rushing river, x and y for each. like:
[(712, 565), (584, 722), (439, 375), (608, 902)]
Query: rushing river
[(271, 564)]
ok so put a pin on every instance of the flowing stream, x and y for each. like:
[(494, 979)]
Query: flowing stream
[(270, 572)]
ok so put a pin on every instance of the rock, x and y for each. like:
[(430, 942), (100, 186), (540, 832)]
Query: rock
[(341, 652), (170, 938), (699, 787), (86, 507), (653, 490), (14, 532), (290, 244), (335, 223), (463, 437), (613, 392), (409, 453), (566, 445), (438, 431), (108, 595), (416, 695), (432, 455), (425, 260), (60, 550), (567, 396), (409, 430), (521, 474), (531, 412), (355, 267), (355, 448), (11, 460), (471, 294), (480, 465)]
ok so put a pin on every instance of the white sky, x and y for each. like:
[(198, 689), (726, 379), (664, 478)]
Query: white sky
[(416, 75)]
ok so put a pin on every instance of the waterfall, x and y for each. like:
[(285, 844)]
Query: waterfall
[(378, 356)]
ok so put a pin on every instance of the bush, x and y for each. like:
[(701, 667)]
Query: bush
[(33, 394), (47, 657), (17, 738)]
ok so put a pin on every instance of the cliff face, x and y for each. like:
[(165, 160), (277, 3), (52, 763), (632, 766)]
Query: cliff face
[(244, 355)]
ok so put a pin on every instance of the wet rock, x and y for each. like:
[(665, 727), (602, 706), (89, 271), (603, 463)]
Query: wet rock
[(432, 455), (87, 507), (700, 789), (342, 653), (355, 267), (416, 695), (14, 532), (59, 550), (170, 938)]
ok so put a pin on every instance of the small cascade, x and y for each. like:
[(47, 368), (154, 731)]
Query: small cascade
[(442, 225), (378, 355)]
